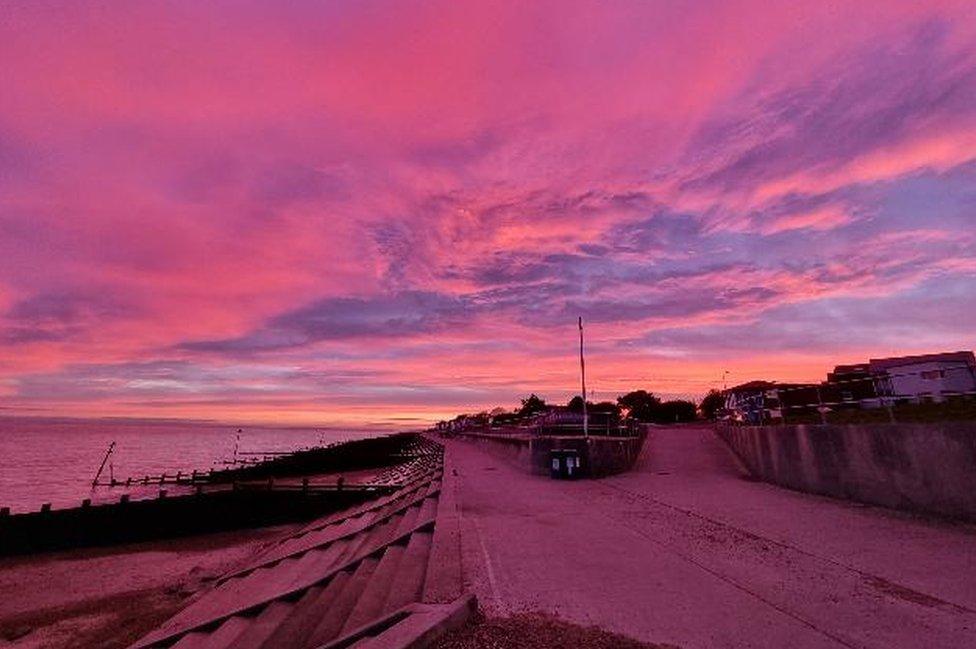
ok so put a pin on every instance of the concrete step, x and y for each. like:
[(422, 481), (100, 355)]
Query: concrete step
[(318, 562), (370, 538), (259, 586), (370, 602), (227, 633), (299, 622), (428, 510), (351, 527), (342, 604), (311, 538), (224, 598), (192, 640), (408, 520), (262, 626), (408, 583), (423, 626), (383, 534)]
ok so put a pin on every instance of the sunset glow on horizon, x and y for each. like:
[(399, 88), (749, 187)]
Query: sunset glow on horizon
[(387, 213)]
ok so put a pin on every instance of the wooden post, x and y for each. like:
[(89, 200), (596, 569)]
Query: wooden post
[(46, 508), (111, 447)]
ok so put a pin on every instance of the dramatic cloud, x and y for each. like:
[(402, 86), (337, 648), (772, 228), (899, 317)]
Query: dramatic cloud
[(381, 212)]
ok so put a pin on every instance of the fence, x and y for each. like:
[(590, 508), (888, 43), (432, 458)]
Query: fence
[(596, 426), (931, 394), (599, 424)]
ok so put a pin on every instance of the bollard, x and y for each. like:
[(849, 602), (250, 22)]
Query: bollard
[(162, 493), (123, 499), (145, 480), (45, 508), (86, 502), (128, 481)]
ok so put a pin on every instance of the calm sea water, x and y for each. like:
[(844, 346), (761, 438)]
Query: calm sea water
[(54, 461)]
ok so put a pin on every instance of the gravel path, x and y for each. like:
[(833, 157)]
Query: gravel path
[(537, 631)]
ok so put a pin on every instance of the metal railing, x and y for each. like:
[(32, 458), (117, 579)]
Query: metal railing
[(596, 428)]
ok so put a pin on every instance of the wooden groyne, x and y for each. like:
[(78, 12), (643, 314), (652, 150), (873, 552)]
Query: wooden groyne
[(351, 455), (165, 517), (283, 489)]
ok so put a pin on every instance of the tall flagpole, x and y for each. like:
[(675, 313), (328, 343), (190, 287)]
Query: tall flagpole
[(586, 421)]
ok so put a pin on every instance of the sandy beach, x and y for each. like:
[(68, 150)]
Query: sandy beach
[(109, 597)]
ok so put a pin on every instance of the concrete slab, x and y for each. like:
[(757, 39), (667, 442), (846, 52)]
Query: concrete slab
[(686, 551)]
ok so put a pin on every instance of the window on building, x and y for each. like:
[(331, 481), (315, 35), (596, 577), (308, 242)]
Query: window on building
[(933, 374)]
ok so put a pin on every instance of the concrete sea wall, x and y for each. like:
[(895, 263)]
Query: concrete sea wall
[(600, 456), (929, 468)]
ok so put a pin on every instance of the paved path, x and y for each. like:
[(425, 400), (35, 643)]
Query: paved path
[(686, 550)]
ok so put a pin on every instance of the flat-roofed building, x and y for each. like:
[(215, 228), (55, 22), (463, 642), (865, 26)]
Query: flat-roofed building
[(926, 377)]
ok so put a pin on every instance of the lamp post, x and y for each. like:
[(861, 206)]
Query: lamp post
[(586, 420)]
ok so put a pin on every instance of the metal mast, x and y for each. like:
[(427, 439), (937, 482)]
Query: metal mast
[(586, 420)]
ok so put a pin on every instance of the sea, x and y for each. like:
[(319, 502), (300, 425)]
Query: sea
[(54, 460)]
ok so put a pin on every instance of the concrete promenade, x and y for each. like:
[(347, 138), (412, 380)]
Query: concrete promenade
[(688, 551)]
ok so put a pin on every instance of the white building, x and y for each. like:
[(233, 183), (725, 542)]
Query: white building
[(930, 377)]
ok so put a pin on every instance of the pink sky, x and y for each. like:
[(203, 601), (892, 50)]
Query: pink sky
[(389, 212)]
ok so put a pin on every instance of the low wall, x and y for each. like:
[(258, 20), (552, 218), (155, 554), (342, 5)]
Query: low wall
[(928, 468), (514, 449), (599, 456)]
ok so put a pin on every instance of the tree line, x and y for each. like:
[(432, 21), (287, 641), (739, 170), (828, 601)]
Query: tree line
[(640, 405)]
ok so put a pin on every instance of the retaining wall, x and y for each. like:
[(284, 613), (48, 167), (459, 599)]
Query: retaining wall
[(599, 456), (929, 468)]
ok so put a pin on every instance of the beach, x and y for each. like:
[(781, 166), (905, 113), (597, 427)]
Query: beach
[(109, 597)]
